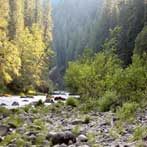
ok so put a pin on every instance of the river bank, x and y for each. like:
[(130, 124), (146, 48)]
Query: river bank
[(45, 126)]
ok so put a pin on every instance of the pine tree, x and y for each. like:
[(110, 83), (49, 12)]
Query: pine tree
[(29, 7), (16, 22), (38, 12), (47, 22)]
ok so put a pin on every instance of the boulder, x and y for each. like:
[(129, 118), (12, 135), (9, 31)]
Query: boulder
[(3, 104), (77, 122), (25, 100), (4, 129), (84, 146), (59, 98), (61, 137), (62, 145), (82, 138), (15, 104)]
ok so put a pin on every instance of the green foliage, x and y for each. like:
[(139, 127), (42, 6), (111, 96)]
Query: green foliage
[(71, 101), (141, 43), (24, 45), (91, 78), (5, 111), (76, 130), (39, 103), (87, 119), (91, 137), (9, 138), (111, 44), (127, 111), (39, 123), (15, 120), (108, 100), (139, 133)]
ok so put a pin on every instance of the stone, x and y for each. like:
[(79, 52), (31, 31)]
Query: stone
[(59, 98), (28, 144), (12, 145), (4, 129), (62, 145), (82, 138), (30, 133), (49, 101), (32, 138), (77, 122), (25, 101), (61, 137), (3, 104), (15, 104), (84, 146)]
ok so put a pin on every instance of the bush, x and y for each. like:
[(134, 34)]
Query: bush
[(72, 102), (91, 77), (108, 101)]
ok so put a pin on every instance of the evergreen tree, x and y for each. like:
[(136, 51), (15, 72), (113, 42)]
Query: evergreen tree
[(29, 7), (47, 22), (38, 12), (16, 22)]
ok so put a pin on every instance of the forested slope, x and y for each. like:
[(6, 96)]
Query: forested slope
[(79, 25)]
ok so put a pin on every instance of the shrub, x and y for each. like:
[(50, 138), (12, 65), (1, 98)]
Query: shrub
[(72, 102), (87, 119), (127, 111), (6, 112), (91, 77), (88, 105), (108, 101), (39, 103), (139, 133), (15, 120)]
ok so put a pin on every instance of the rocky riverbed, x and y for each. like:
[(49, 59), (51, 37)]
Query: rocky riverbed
[(60, 125)]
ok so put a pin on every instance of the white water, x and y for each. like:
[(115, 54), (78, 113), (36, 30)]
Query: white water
[(22, 101), (8, 101)]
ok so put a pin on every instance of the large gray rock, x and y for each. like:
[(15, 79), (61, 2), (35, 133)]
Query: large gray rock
[(61, 137), (4, 129)]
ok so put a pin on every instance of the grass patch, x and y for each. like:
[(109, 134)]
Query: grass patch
[(72, 102), (76, 130), (127, 112), (139, 133)]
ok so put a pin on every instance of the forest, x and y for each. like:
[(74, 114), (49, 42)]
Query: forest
[(94, 49), (25, 44)]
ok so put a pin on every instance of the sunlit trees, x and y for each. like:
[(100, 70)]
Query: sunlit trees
[(25, 44)]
